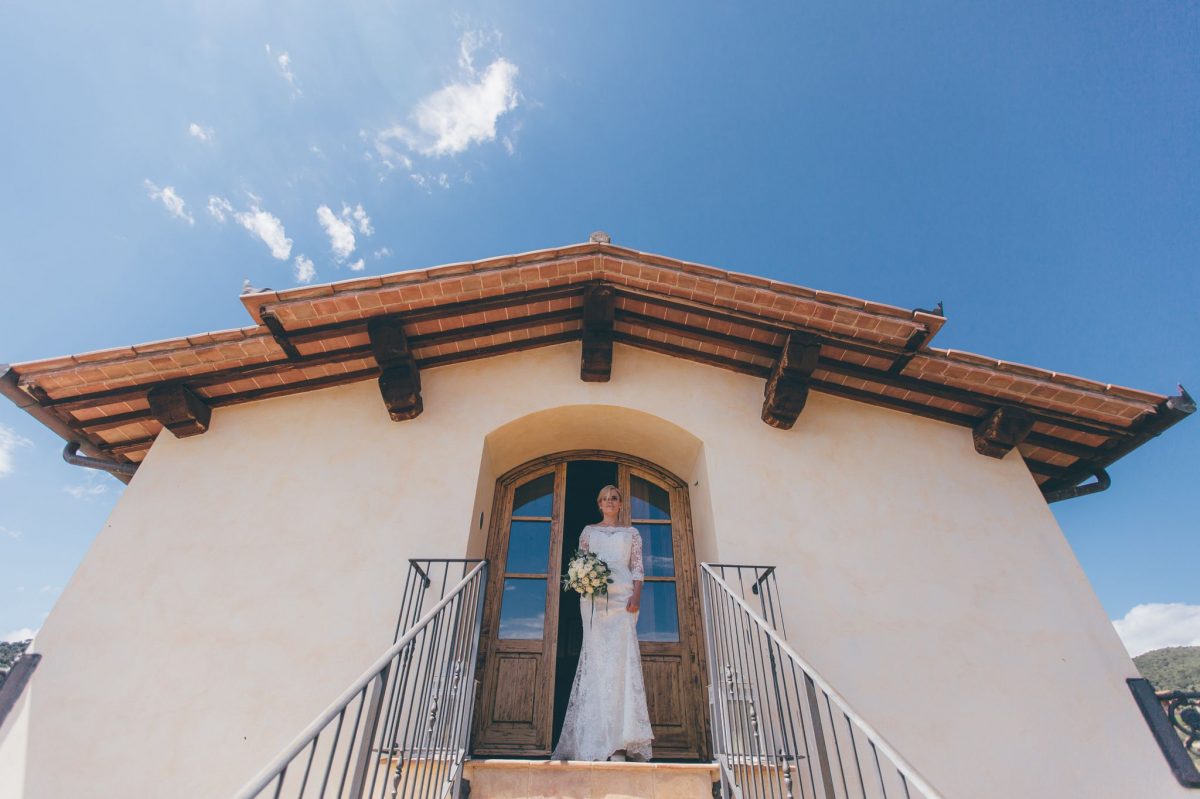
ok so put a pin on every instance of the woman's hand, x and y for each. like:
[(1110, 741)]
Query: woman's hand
[(633, 604)]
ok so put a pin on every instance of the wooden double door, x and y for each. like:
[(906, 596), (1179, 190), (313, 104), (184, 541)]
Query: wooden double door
[(533, 630)]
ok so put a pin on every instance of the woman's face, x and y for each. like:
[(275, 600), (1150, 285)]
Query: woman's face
[(610, 502)]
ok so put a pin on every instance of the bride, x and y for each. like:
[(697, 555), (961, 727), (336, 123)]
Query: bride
[(606, 716)]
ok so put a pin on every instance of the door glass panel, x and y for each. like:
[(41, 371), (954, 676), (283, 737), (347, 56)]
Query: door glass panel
[(535, 498), (528, 548), (658, 619), (648, 500), (523, 609), (658, 556)]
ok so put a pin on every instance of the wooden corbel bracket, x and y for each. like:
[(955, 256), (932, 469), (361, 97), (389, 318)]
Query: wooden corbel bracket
[(179, 409), (399, 377), (1001, 430), (787, 387), (599, 303)]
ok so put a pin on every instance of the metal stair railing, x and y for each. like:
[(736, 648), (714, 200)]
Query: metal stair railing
[(402, 728), (779, 729)]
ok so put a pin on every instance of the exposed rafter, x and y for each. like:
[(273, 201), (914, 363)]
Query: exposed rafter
[(399, 377), (1001, 430), (179, 409), (599, 303), (280, 335), (787, 387)]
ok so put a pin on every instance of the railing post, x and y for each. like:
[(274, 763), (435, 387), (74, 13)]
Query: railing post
[(819, 734), (1163, 728), (468, 702), (378, 691)]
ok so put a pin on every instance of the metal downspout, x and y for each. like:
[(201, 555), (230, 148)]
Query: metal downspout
[(1103, 481), (71, 456), (10, 388)]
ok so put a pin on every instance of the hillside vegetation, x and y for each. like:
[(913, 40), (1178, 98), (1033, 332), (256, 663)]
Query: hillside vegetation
[(1176, 668), (8, 656)]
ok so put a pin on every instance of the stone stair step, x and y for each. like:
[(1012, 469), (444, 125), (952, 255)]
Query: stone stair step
[(572, 779)]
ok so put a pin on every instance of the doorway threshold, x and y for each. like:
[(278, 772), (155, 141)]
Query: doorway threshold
[(495, 778)]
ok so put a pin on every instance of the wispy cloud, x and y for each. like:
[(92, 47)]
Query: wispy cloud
[(429, 181), (171, 201), (7, 533), (340, 228), (340, 232), (459, 115), (17, 636), (382, 252), (283, 63), (304, 269), (219, 207), (91, 487), (358, 265), (267, 227), (9, 443), (200, 132), (1156, 625), (262, 224), (360, 217)]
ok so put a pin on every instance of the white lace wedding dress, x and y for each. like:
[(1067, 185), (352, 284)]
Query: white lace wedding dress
[(607, 710)]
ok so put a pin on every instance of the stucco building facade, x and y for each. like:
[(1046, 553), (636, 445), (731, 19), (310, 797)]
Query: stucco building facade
[(253, 567)]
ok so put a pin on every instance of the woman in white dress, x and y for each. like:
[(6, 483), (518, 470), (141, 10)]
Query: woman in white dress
[(606, 717)]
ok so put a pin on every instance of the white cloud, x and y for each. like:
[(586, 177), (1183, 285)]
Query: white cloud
[(1156, 625), (17, 636), (9, 442), (360, 216), (84, 490), (263, 224), (358, 266), (305, 270), (46, 589), (453, 118), (4, 531), (340, 227), (268, 228), (382, 252), (219, 207), (200, 132), (171, 201), (283, 62), (340, 232)]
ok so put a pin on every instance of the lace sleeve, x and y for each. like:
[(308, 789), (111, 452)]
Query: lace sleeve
[(635, 556), (585, 539)]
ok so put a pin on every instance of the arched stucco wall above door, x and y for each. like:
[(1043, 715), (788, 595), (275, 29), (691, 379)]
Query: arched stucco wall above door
[(612, 428)]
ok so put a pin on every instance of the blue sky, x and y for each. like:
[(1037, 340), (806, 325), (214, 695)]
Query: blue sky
[(1033, 165)]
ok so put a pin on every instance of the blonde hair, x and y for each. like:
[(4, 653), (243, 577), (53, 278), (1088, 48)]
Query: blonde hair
[(605, 490)]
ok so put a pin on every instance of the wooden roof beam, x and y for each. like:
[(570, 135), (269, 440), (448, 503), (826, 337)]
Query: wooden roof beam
[(1001, 430), (787, 387), (599, 304), (279, 334), (179, 409), (399, 377)]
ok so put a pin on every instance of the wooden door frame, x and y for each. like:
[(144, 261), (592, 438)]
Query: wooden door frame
[(686, 575)]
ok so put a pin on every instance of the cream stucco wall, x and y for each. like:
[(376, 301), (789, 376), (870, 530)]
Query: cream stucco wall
[(249, 574)]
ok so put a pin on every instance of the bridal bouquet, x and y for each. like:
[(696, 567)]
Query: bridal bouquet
[(587, 575)]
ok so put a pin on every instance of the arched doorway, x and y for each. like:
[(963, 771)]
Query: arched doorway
[(532, 630)]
